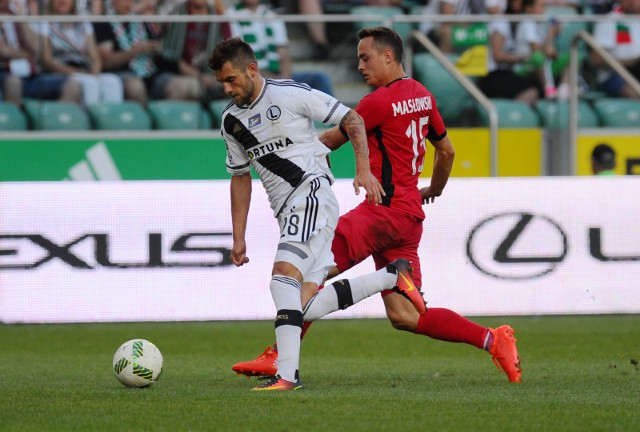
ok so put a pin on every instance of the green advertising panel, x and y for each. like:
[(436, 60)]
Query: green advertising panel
[(144, 158)]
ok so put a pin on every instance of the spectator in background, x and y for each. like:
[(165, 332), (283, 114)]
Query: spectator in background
[(150, 7), (186, 47), (502, 81), (442, 34), (537, 44), (598, 7), (268, 38), (620, 36), (127, 49), (317, 29), (20, 66), (603, 160), (71, 49)]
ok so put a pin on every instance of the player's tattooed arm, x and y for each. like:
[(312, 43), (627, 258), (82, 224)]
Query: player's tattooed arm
[(353, 125)]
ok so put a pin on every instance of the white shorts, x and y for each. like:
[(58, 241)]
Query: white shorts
[(307, 226)]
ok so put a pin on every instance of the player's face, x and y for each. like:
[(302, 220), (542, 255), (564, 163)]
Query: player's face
[(238, 83), (372, 63)]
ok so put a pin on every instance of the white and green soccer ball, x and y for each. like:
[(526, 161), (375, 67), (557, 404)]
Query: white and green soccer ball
[(137, 363)]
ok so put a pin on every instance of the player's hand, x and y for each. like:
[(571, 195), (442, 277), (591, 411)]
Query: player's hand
[(374, 189), (429, 195), (239, 253)]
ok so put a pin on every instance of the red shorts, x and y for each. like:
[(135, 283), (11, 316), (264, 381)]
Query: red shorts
[(380, 232)]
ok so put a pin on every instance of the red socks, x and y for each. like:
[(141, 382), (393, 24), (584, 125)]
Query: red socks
[(446, 325)]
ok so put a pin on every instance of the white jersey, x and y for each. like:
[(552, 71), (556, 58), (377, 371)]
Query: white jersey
[(276, 135)]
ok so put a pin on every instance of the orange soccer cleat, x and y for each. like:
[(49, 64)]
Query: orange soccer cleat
[(405, 285), (276, 383), (504, 352), (266, 364)]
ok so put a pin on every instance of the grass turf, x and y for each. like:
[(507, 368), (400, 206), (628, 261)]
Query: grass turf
[(580, 374)]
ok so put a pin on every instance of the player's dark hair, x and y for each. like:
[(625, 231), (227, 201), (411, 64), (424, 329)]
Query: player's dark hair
[(604, 155), (384, 37), (233, 50)]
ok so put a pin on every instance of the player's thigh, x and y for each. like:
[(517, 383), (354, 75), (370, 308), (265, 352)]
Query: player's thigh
[(360, 233), (305, 245), (405, 246)]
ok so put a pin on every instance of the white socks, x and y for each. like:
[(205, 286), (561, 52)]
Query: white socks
[(286, 297), (346, 292)]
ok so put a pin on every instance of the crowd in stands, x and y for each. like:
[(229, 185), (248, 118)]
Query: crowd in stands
[(88, 63)]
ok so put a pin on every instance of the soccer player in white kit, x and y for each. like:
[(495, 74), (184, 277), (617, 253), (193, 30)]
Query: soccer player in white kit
[(270, 126)]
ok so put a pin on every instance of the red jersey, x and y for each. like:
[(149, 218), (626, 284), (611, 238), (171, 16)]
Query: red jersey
[(398, 118)]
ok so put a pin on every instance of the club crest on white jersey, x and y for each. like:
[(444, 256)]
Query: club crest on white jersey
[(276, 135)]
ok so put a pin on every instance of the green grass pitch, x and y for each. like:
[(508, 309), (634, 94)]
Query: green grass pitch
[(580, 374)]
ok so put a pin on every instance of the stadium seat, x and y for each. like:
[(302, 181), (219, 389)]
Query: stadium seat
[(388, 12), (620, 113), (176, 115), (555, 114), (216, 108), (56, 116), (205, 119), (452, 98), (119, 116), (512, 114), (11, 118)]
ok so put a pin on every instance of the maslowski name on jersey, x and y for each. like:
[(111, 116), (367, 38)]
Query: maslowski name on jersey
[(409, 106)]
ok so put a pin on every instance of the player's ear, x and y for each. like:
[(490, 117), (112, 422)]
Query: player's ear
[(388, 56), (252, 70)]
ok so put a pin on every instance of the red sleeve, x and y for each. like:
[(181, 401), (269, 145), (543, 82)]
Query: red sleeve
[(370, 110), (437, 130)]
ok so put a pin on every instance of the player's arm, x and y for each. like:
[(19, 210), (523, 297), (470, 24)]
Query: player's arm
[(442, 165), (334, 138), (353, 126), (240, 201)]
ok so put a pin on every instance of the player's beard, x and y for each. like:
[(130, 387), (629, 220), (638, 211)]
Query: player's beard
[(247, 93)]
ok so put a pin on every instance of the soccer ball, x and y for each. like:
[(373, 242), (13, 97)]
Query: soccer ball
[(137, 363)]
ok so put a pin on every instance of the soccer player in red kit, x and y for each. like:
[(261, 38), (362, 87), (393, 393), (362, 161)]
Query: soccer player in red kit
[(399, 115)]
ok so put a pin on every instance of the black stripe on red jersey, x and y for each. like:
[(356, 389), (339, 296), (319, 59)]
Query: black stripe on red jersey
[(433, 136), (343, 131), (287, 170), (386, 175)]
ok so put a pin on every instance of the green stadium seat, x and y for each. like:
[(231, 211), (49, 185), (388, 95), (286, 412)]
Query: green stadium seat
[(11, 118), (403, 29), (555, 114), (216, 108), (620, 113), (205, 119), (126, 115), (513, 114), (56, 116), (451, 97), (176, 115)]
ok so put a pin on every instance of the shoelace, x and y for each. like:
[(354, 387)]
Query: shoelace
[(269, 380), (268, 377), (265, 352)]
